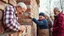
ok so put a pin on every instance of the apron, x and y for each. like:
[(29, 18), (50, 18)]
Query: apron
[(43, 32)]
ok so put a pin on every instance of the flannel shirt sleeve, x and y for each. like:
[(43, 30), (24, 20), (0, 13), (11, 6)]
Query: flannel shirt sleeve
[(10, 19)]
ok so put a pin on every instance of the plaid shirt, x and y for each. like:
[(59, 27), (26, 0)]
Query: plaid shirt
[(10, 19)]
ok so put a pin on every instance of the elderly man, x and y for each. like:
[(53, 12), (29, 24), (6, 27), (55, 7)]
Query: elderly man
[(58, 26), (10, 19)]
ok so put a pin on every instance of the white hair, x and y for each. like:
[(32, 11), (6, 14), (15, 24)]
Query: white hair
[(22, 5)]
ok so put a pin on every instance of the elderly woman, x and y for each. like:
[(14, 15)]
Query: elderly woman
[(58, 26), (10, 19), (50, 23)]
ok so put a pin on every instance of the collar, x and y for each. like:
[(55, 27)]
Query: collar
[(41, 19)]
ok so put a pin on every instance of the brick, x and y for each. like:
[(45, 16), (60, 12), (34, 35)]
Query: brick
[(26, 32), (27, 2), (14, 34), (4, 34), (5, 1), (1, 28), (22, 0), (28, 10), (27, 15), (20, 16), (13, 2), (0, 15), (29, 30), (29, 6), (38, 2), (2, 5), (25, 21), (11, 35), (20, 21), (19, 33)]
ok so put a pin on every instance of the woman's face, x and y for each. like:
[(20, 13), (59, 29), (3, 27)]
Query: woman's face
[(41, 17), (46, 17)]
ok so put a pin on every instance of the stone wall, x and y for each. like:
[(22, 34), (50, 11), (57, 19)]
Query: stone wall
[(32, 9)]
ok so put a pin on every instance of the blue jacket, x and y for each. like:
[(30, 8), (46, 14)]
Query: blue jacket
[(43, 24)]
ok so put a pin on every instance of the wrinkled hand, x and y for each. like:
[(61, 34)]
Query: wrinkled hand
[(22, 28), (30, 17)]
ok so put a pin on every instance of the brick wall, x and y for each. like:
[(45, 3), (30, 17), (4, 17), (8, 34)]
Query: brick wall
[(32, 8)]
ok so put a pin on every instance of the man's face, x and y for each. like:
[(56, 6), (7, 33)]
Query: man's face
[(20, 10), (56, 11), (41, 17)]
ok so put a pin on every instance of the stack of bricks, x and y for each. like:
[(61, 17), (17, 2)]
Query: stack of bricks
[(3, 3), (33, 9), (32, 6)]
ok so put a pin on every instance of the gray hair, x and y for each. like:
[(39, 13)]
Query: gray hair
[(56, 8), (22, 5)]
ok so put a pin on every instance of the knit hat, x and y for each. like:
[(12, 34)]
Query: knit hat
[(42, 14)]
